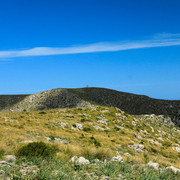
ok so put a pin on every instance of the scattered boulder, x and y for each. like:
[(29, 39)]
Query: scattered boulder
[(176, 149), (60, 140), (99, 128), (152, 129), (119, 127), (133, 123), (160, 138), (10, 157), (11, 120), (57, 140), (103, 177), (175, 170), (137, 147), (74, 159), (48, 138), (63, 124), (154, 142), (5, 164), (127, 154), (27, 141), (117, 159), (138, 136), (104, 111), (118, 114), (103, 122), (154, 165), (77, 126), (80, 160), (144, 132)]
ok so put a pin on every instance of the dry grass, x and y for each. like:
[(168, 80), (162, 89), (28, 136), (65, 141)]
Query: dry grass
[(17, 127)]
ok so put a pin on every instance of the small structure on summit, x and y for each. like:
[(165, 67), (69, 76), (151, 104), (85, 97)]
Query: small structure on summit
[(87, 86)]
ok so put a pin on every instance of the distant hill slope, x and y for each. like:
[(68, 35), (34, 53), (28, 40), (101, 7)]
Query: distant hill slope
[(84, 97), (6, 101)]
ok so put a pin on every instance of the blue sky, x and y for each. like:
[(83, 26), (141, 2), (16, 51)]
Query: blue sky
[(126, 45)]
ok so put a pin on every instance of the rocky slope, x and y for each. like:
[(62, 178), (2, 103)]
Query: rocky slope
[(85, 97), (7, 101), (108, 143)]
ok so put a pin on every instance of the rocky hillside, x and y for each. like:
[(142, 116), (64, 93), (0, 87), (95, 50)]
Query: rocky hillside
[(85, 97), (7, 101), (92, 143)]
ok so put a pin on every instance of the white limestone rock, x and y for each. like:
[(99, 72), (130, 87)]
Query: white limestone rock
[(99, 128), (119, 127), (60, 140), (127, 154), (154, 142), (74, 159), (11, 120), (80, 160), (10, 157), (77, 126), (154, 165), (176, 149), (5, 164), (117, 159), (103, 122), (27, 141), (138, 136), (133, 123), (137, 147), (63, 124), (104, 111), (175, 170)]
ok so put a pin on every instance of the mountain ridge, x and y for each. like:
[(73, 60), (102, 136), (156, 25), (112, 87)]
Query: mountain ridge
[(85, 97)]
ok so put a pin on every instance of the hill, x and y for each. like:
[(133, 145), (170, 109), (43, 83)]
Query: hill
[(85, 97)]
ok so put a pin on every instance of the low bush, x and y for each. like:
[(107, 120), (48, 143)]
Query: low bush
[(95, 142), (42, 112), (87, 129), (36, 149)]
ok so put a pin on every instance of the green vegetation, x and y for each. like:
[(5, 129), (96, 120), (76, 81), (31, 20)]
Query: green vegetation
[(1, 153), (37, 149), (39, 168)]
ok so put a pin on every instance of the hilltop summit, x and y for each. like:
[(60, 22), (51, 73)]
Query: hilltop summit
[(86, 97)]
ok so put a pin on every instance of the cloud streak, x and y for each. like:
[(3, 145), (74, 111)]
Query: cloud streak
[(165, 40)]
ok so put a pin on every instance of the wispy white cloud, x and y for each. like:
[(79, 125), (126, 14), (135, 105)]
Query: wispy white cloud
[(166, 35), (159, 40)]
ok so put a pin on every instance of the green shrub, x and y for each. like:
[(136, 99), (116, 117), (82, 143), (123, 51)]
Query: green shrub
[(42, 112), (52, 137), (83, 120), (37, 149), (95, 142), (87, 129)]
